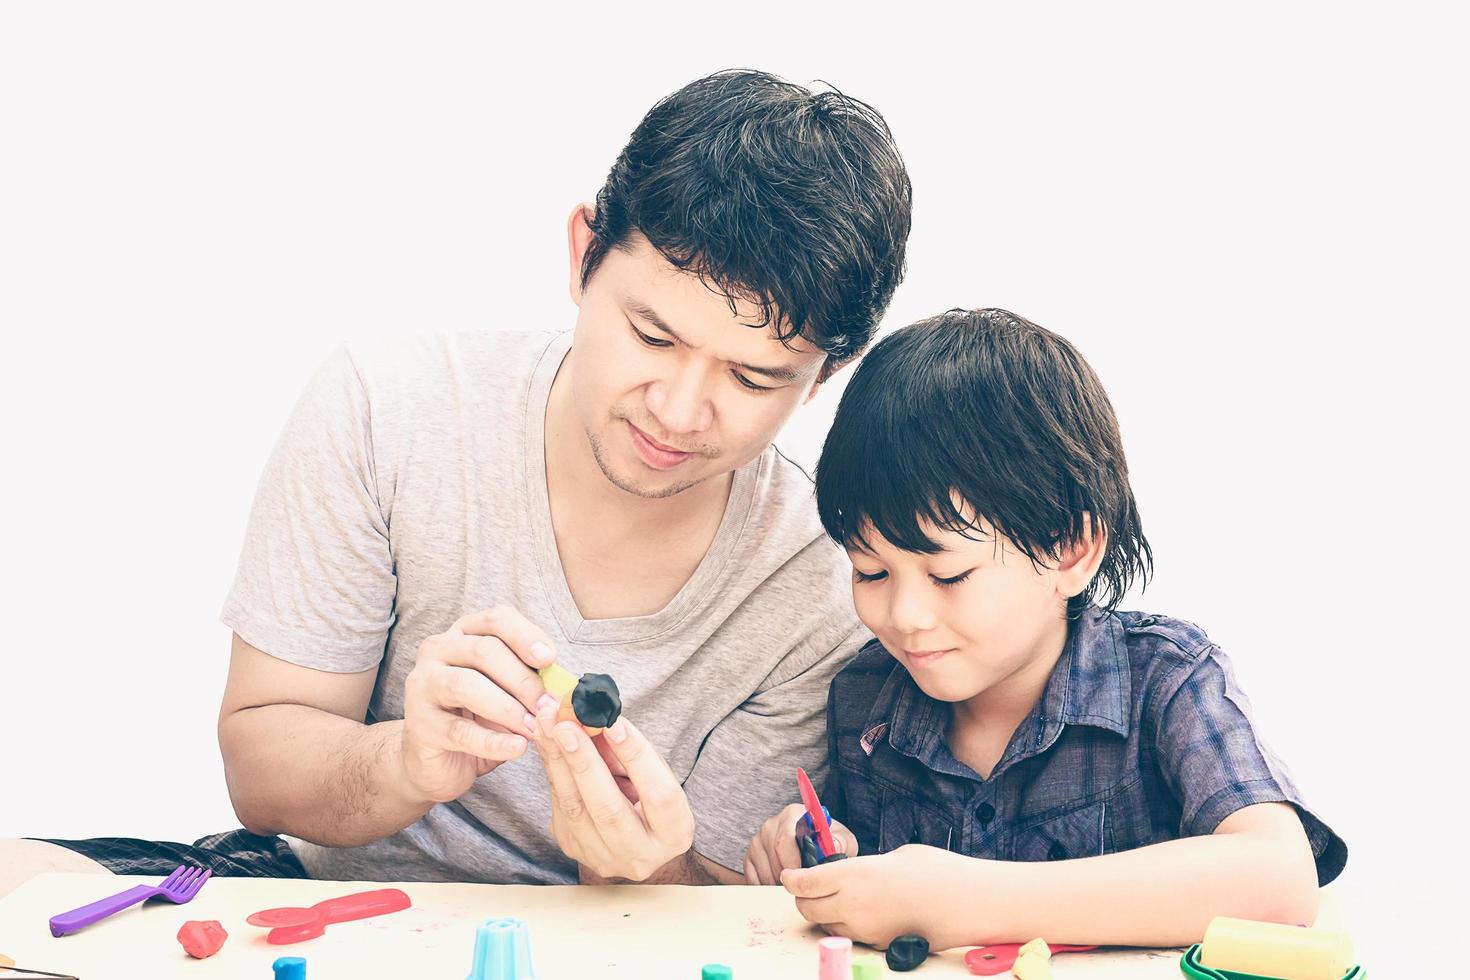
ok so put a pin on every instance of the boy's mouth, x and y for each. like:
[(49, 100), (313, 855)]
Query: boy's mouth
[(921, 658)]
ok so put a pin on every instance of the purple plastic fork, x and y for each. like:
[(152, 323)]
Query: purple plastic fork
[(178, 888)]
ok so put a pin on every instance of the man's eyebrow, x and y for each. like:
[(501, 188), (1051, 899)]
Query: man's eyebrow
[(780, 375)]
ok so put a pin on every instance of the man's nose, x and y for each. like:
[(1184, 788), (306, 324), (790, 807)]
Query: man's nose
[(680, 401)]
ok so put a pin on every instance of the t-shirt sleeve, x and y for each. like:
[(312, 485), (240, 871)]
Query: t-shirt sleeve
[(1216, 764), (746, 770), (315, 584)]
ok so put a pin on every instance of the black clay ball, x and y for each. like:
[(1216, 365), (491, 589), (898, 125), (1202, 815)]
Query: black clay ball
[(906, 953), (596, 701)]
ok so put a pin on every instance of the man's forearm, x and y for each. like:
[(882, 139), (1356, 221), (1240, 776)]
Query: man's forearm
[(1161, 895), (689, 868), (302, 771)]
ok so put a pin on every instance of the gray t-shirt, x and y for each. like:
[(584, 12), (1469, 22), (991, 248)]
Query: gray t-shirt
[(409, 489)]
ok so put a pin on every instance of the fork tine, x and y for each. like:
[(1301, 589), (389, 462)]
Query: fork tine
[(199, 881), (174, 877)]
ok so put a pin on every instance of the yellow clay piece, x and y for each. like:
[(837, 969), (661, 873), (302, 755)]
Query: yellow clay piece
[(1031, 966), (1270, 949), (558, 680), (6, 961), (1037, 947)]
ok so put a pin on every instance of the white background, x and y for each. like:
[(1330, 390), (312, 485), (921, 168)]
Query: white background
[(1250, 218)]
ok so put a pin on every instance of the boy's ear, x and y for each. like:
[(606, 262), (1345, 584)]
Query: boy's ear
[(1078, 563), (579, 239)]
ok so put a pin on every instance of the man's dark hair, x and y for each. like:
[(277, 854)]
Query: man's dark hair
[(792, 200), (982, 410)]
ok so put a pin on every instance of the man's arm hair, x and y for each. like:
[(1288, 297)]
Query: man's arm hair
[(299, 759)]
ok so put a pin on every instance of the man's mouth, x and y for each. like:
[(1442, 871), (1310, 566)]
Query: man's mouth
[(653, 452)]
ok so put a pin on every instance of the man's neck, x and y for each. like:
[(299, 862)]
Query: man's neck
[(622, 554)]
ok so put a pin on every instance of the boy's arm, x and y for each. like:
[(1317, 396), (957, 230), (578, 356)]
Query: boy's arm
[(1257, 865)]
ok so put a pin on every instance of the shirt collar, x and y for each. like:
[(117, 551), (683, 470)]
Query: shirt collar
[(1090, 685)]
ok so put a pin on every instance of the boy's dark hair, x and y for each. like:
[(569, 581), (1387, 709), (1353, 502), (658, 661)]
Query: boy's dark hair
[(795, 201), (988, 407)]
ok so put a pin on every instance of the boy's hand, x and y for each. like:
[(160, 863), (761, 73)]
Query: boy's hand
[(773, 848), (874, 899)]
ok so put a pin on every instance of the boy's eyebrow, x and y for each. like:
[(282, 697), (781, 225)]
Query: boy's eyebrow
[(781, 375)]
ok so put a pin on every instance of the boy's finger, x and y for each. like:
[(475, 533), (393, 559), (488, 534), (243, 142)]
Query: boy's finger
[(818, 882), (823, 911)]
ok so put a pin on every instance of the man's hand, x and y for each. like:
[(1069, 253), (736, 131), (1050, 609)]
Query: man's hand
[(595, 821), (468, 701), (773, 849), (873, 899)]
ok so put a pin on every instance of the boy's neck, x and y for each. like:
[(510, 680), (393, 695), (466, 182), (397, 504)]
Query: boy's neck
[(982, 726)]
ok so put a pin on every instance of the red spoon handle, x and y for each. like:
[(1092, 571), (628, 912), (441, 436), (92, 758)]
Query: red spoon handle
[(361, 906)]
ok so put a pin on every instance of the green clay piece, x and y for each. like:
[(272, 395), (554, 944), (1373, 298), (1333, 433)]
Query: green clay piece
[(716, 971), (596, 701), (906, 953), (867, 968)]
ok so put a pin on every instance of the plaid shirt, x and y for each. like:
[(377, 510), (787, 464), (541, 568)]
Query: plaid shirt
[(1141, 736)]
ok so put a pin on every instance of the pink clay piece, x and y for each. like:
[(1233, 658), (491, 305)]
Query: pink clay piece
[(202, 940)]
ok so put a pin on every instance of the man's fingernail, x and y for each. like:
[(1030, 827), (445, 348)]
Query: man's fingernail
[(618, 733), (567, 738), (530, 722), (541, 651), (545, 702)]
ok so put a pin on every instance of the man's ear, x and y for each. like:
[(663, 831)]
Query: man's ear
[(1078, 563), (579, 239), (829, 369)]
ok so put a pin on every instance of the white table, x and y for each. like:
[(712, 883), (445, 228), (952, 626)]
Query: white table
[(647, 932)]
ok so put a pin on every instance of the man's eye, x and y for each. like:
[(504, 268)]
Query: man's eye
[(865, 577), (947, 582), (748, 384), (648, 341)]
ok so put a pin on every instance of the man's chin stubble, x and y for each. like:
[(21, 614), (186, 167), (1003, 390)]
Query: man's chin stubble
[(627, 486)]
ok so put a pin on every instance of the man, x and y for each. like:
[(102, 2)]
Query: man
[(442, 516)]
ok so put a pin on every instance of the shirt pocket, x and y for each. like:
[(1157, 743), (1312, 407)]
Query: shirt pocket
[(906, 821), (1083, 831)]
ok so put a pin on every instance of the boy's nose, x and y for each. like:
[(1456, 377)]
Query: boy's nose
[(910, 611)]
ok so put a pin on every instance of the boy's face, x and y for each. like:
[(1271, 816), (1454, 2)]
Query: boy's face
[(671, 386), (968, 618)]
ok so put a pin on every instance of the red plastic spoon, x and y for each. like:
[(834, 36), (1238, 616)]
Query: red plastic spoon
[(293, 925), (989, 961)]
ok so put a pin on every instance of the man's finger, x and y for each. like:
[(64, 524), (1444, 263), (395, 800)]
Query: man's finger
[(818, 882), (609, 809), (464, 687), (456, 733), (662, 799), (524, 638), (489, 656)]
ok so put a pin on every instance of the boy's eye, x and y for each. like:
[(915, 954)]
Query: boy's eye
[(865, 577), (947, 582), (748, 384), (648, 341)]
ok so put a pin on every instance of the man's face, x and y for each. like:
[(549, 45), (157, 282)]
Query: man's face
[(672, 387), (966, 619)]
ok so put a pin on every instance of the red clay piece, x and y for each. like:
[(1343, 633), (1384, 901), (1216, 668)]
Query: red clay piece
[(990, 961), (202, 940)]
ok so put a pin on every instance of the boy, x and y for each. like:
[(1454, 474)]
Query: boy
[(1034, 763)]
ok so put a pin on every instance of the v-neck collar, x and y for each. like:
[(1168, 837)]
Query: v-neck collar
[(559, 595)]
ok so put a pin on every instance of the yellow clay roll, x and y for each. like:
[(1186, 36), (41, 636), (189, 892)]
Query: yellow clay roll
[(1032, 965), (1269, 949)]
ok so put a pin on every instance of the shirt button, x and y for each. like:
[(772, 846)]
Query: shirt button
[(985, 813), (1056, 853)]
